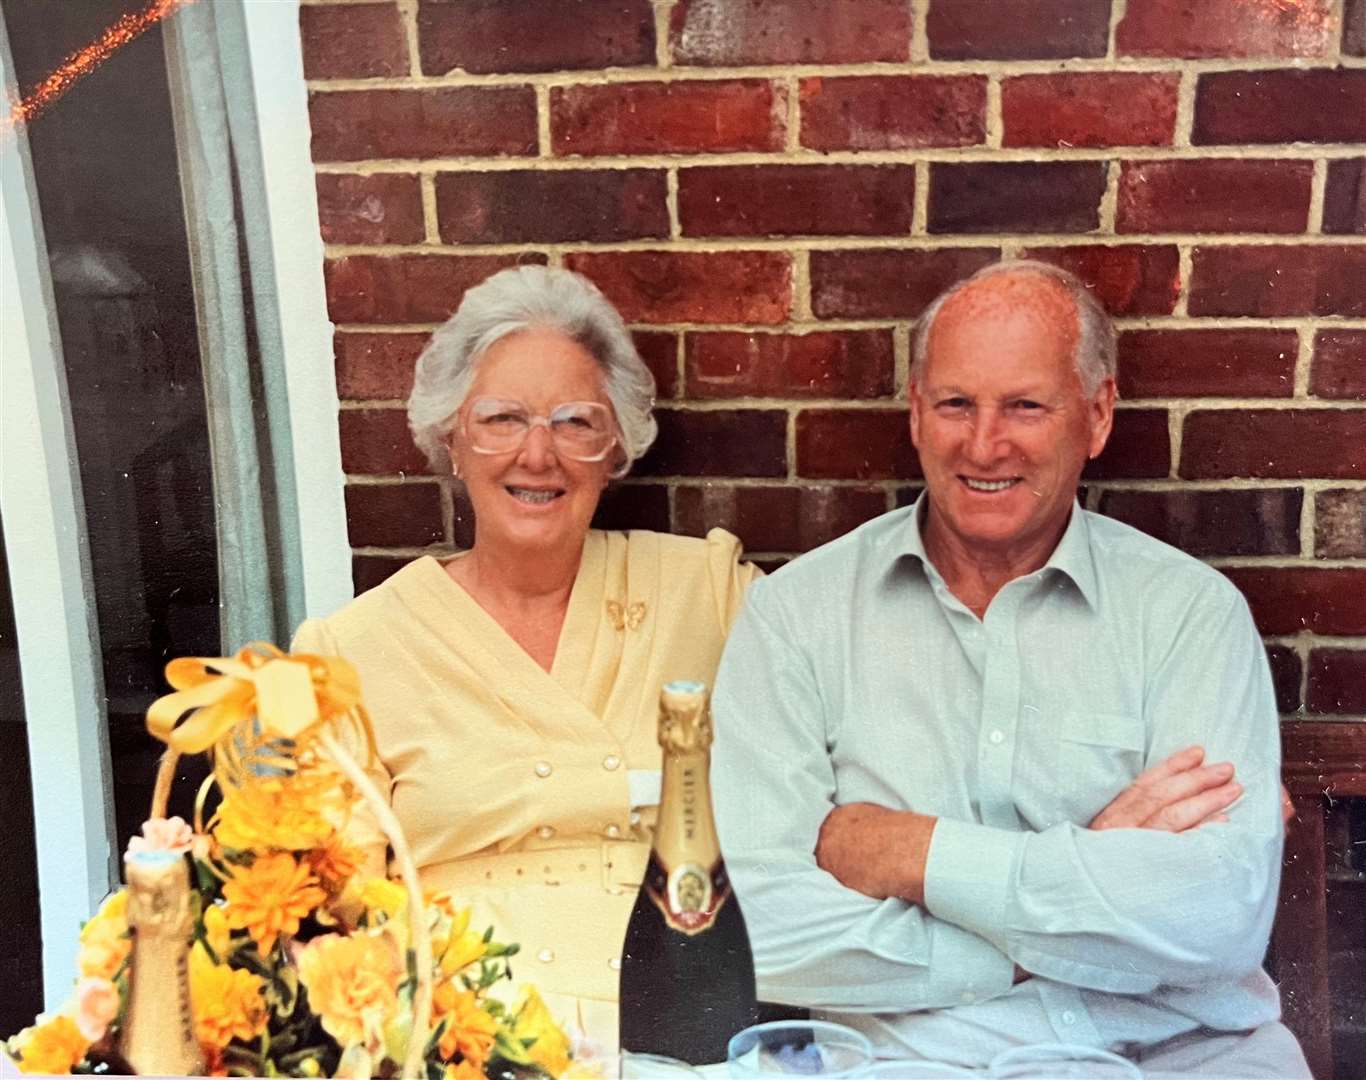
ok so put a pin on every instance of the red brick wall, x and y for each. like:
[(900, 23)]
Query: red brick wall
[(771, 191)]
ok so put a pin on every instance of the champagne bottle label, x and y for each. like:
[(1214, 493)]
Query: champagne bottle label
[(690, 895)]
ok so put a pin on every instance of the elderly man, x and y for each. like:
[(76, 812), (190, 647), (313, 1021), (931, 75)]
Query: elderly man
[(992, 770)]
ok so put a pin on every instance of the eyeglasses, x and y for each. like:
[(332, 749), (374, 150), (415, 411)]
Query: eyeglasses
[(580, 430)]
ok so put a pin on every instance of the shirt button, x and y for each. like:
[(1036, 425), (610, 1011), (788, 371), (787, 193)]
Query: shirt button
[(545, 832), (997, 736), (614, 963), (613, 831), (969, 997), (543, 769), (545, 956), (611, 762), (1069, 1017)]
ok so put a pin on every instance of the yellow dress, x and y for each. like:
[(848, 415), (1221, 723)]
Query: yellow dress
[(513, 784)]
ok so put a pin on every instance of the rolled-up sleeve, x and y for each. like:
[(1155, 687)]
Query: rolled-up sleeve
[(816, 942)]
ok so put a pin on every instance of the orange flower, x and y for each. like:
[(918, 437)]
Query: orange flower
[(466, 1070), (227, 1003), (352, 985), (293, 813), (335, 862), (270, 897), (104, 939), (469, 1028), (51, 1046)]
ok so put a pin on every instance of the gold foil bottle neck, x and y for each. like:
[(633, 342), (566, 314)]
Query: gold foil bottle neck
[(684, 719), (158, 892)]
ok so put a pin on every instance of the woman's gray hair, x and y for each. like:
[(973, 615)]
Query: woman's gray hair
[(517, 299), (1095, 353)]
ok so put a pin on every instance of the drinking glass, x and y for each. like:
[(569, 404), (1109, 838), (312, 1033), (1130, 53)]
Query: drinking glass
[(919, 1070), (798, 1048)]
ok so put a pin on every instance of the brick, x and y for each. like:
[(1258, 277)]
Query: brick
[(1016, 196), (1354, 28), (1339, 365), (1034, 30), (1264, 521), (776, 518), (888, 283), (1198, 29), (523, 206), (376, 442), (1214, 195), (1207, 363), (893, 112), (1340, 523), (659, 350), (367, 571), (1112, 108), (1286, 600), (692, 286), (1285, 677), (851, 363), (796, 200), (719, 33), (382, 208), (718, 442), (1271, 280), (1139, 447), (484, 36), (1321, 105), (856, 444), (668, 118), (354, 125), (405, 288), (394, 515), (355, 41), (1337, 681), (1275, 444), (1129, 279), (1344, 197), (633, 506), (371, 366)]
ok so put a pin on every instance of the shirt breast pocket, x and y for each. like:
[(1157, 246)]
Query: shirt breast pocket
[(1098, 754)]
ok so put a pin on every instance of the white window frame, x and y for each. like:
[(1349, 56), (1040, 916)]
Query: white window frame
[(40, 496)]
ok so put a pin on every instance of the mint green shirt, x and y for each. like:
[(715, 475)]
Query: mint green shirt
[(854, 675)]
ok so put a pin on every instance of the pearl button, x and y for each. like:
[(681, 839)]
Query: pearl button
[(614, 963), (545, 832), (611, 762), (546, 955), (1069, 1017), (635, 819), (543, 769), (613, 831), (997, 737)]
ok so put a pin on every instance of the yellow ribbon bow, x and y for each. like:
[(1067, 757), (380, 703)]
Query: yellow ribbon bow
[(290, 698)]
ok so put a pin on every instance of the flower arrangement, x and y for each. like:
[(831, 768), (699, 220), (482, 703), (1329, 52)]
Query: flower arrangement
[(300, 965)]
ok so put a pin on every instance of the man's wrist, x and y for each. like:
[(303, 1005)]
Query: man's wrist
[(918, 832)]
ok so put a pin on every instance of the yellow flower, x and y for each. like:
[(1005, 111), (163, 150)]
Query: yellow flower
[(460, 947), (381, 894), (352, 985), (51, 1046), (289, 813), (469, 1028), (217, 931), (533, 1021), (270, 897), (104, 939), (227, 1003), (466, 1070)]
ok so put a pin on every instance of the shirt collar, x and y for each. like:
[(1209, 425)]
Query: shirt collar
[(1071, 557)]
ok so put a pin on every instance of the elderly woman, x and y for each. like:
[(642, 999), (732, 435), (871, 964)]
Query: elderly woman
[(514, 687)]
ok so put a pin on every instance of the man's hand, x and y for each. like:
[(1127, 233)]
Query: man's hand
[(876, 851), (1177, 794)]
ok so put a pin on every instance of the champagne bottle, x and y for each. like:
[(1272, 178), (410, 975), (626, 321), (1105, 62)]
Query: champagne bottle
[(687, 974), (158, 1028)]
